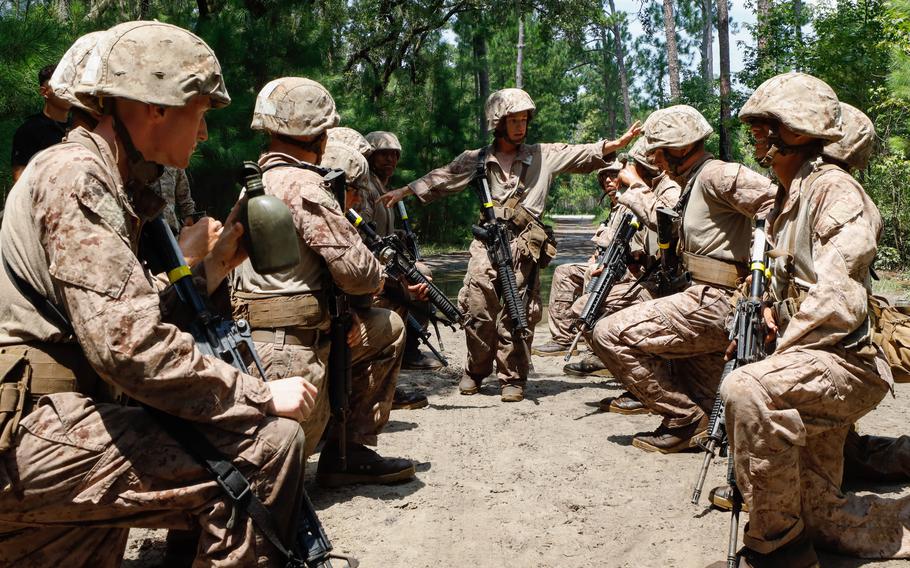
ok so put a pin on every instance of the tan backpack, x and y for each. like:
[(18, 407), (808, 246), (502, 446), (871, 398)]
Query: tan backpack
[(891, 332)]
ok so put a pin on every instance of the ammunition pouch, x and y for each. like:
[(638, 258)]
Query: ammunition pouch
[(707, 270), (264, 311), (535, 239), (30, 371)]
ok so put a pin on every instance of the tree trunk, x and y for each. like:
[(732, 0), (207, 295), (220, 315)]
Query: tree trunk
[(672, 52), (723, 40), (62, 10), (798, 16), (608, 108), (482, 73), (621, 65), (203, 7), (707, 43), (520, 60), (762, 9)]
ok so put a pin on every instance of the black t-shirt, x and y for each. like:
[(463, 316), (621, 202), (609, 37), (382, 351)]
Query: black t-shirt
[(36, 133)]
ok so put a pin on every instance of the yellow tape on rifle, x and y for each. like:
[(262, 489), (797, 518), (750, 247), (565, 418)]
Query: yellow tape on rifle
[(178, 273)]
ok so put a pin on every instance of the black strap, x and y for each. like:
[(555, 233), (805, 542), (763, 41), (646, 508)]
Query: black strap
[(301, 165), (48, 309), (233, 483)]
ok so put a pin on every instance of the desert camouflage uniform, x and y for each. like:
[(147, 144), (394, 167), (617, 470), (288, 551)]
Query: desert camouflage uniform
[(642, 201), (370, 210), (327, 239), (174, 187), (488, 329), (788, 415), (567, 285), (636, 343), (85, 469)]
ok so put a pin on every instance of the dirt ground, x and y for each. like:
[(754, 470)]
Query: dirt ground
[(549, 481)]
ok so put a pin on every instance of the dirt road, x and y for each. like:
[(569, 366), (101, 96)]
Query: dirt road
[(546, 482)]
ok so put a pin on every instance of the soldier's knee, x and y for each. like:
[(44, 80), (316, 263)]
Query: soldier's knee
[(606, 334), (741, 391), (396, 328), (286, 435)]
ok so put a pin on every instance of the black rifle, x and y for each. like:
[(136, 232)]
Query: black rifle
[(393, 254), (340, 379), (495, 236), (230, 341), (669, 276), (409, 234), (614, 267), (748, 332)]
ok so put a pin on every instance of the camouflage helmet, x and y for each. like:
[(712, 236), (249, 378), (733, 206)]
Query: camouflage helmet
[(69, 70), (294, 106), (638, 152), (505, 102), (151, 62), (352, 138), (613, 168), (339, 155), (803, 103), (675, 127), (382, 140), (855, 148)]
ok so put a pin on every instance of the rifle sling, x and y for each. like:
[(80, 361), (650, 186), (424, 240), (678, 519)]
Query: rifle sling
[(48, 309)]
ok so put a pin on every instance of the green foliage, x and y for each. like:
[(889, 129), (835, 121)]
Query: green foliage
[(413, 68)]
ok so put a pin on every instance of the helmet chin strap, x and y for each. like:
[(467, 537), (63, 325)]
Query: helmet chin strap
[(676, 162), (141, 171), (780, 148)]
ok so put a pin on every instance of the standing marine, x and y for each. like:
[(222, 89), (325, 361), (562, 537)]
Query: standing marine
[(519, 176)]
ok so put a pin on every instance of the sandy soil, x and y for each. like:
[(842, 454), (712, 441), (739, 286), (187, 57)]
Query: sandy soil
[(550, 481)]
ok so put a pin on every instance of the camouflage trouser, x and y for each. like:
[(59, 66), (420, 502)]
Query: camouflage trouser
[(488, 328), (621, 296), (83, 473), (375, 365), (876, 458), (567, 286), (787, 417), (668, 352)]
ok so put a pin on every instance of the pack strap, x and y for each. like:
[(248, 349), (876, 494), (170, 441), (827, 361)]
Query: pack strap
[(48, 309)]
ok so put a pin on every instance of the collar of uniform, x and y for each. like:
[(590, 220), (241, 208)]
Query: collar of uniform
[(147, 206), (269, 158), (796, 187), (696, 166), (376, 184), (525, 154)]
